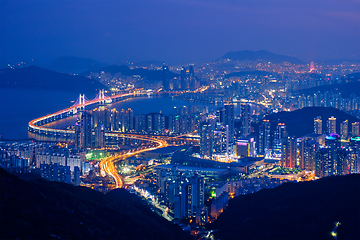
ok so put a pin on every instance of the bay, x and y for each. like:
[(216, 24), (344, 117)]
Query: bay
[(19, 106)]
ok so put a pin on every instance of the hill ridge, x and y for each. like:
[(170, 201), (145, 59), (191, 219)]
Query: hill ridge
[(38, 209), (304, 210), (34, 77), (260, 55)]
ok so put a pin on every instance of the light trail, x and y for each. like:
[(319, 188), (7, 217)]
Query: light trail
[(32, 124), (108, 164)]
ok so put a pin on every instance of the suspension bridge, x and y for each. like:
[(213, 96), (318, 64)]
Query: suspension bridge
[(36, 125)]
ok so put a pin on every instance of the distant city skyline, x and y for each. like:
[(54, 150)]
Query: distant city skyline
[(176, 32)]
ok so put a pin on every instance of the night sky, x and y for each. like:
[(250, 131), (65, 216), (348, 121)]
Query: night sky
[(177, 31)]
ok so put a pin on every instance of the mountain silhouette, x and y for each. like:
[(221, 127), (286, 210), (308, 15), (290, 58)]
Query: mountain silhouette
[(260, 55)]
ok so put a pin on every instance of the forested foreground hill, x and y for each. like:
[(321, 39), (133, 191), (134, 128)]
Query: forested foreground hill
[(38, 209), (304, 210)]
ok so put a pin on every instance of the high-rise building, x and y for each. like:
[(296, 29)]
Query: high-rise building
[(245, 119), (183, 124), (192, 79), (183, 79), (176, 124), (198, 191), (308, 147), (184, 193), (140, 123), (288, 152), (159, 122), (344, 129), (191, 71), (331, 125), (279, 134), (324, 163), (245, 147), (264, 137), (78, 134), (99, 136), (101, 117), (206, 139), (220, 140), (114, 120), (170, 122), (77, 174), (355, 127), (176, 111), (122, 120), (318, 125), (129, 120), (220, 116), (55, 172), (230, 121), (149, 123), (329, 160), (83, 130)]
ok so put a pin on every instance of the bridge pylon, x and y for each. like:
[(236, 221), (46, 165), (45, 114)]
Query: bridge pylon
[(82, 102), (102, 96)]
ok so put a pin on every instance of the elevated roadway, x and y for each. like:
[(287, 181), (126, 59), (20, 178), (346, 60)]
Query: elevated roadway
[(107, 165)]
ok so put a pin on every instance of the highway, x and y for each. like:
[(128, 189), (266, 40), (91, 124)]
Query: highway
[(107, 165), (154, 201), (35, 126)]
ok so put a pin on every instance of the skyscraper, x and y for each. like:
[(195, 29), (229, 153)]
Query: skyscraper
[(114, 120), (318, 125), (191, 71), (245, 119), (83, 130), (355, 129), (229, 121), (99, 136), (328, 160), (307, 150), (220, 140), (220, 115), (192, 79), (331, 125), (264, 137), (198, 190), (183, 78), (101, 117), (129, 124), (140, 123), (159, 122), (206, 139), (344, 129), (279, 134), (122, 120), (288, 152), (149, 123)]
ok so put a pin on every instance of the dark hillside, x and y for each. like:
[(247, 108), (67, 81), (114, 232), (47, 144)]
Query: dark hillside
[(75, 65), (301, 122), (152, 75), (346, 89), (34, 77), (39, 209), (305, 210)]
